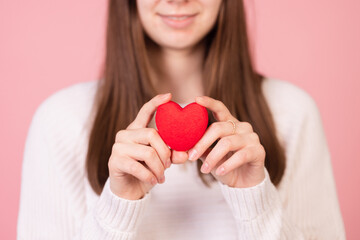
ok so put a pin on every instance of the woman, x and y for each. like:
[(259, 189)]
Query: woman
[(94, 164)]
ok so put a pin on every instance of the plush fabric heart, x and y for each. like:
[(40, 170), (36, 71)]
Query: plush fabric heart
[(181, 128)]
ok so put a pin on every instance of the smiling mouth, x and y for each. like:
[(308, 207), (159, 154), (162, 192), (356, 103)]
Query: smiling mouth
[(178, 21), (178, 17)]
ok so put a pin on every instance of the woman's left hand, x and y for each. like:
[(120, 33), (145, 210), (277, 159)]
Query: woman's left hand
[(238, 158)]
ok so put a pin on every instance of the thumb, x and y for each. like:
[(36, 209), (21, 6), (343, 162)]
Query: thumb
[(178, 157)]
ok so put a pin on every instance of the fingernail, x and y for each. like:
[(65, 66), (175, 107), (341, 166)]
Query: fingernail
[(192, 154), (220, 171), (162, 179), (204, 167), (168, 163), (153, 181), (164, 96)]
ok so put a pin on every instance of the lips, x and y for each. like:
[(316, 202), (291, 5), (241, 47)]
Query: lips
[(178, 16), (178, 20)]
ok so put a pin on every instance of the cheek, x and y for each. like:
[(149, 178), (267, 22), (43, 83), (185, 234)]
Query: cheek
[(209, 16), (146, 16), (145, 9), (152, 25), (206, 22), (212, 10)]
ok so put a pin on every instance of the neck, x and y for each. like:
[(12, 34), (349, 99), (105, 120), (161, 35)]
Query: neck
[(178, 71)]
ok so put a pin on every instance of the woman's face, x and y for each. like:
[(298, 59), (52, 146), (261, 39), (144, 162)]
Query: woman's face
[(177, 24)]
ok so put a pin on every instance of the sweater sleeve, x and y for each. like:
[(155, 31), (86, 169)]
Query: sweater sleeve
[(113, 217), (46, 210), (308, 207)]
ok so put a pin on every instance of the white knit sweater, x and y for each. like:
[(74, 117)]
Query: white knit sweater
[(57, 201)]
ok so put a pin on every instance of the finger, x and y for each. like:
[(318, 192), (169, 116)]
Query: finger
[(205, 154), (223, 147), (178, 157), (239, 158), (146, 136), (147, 111), (244, 127), (136, 169), (220, 111), (235, 161), (143, 153), (215, 131)]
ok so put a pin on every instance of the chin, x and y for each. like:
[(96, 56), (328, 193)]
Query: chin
[(178, 42), (177, 45)]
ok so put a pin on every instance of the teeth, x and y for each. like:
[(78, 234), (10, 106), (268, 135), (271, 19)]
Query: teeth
[(178, 18)]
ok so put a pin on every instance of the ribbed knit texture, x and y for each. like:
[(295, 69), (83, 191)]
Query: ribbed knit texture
[(57, 201)]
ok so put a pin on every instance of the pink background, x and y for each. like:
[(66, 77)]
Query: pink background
[(48, 45)]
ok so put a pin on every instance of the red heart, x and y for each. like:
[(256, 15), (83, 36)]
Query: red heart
[(181, 128)]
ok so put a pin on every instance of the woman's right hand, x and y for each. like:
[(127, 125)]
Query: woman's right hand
[(139, 156)]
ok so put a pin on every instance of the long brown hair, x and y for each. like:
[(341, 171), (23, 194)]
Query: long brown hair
[(125, 85)]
